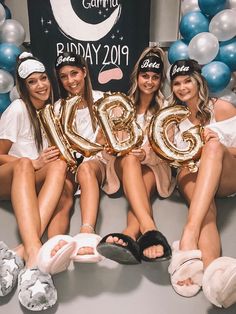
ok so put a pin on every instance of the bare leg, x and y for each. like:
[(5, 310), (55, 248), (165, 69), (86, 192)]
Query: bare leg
[(217, 170), (139, 199), (89, 177), (38, 209), (60, 221), (208, 233), (24, 202), (130, 172)]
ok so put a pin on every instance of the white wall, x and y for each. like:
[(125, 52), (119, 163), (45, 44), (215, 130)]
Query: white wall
[(164, 18), (19, 12), (164, 24)]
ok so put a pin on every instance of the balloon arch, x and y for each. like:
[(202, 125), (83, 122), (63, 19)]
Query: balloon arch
[(208, 35), (12, 36)]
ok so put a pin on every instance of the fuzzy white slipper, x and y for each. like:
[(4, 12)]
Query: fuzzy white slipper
[(87, 240), (184, 265), (59, 262), (219, 282)]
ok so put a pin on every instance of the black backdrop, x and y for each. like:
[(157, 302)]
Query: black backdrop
[(78, 25)]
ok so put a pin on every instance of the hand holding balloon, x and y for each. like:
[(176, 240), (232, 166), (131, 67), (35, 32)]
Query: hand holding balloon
[(163, 146), (48, 155), (209, 135), (116, 116), (139, 153)]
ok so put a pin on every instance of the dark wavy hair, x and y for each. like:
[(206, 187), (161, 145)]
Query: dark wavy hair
[(25, 96)]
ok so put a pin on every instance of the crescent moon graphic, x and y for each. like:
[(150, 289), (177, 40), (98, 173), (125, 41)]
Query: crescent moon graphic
[(73, 26)]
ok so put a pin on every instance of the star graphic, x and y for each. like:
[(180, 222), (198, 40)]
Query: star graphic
[(46, 31), (121, 38), (9, 279), (38, 287), (42, 20), (12, 264), (49, 22), (27, 275), (99, 12), (113, 36)]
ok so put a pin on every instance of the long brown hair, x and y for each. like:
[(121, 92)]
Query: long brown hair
[(88, 96), (134, 93), (25, 96)]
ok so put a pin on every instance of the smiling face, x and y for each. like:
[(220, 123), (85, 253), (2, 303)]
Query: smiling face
[(185, 88), (149, 82), (72, 79), (39, 89)]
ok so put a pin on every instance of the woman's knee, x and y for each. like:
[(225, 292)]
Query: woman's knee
[(130, 162), (85, 172), (57, 167), (23, 164), (213, 149)]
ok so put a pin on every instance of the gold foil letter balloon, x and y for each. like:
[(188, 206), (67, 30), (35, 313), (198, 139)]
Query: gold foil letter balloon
[(55, 135), (116, 116), (159, 131), (67, 117)]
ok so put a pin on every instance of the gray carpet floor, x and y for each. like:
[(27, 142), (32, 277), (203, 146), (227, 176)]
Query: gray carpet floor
[(109, 288)]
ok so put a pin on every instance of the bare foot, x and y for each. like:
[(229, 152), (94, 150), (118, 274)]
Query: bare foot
[(154, 251), (86, 250), (56, 248), (116, 240), (186, 282)]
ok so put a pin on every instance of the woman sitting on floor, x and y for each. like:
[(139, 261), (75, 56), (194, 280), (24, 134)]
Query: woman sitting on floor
[(195, 261), (32, 177), (142, 172)]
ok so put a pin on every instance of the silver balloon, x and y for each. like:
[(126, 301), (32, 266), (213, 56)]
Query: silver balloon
[(6, 81), (2, 14), (189, 6), (223, 25), (232, 82), (12, 32), (14, 94), (203, 47), (231, 4), (227, 95)]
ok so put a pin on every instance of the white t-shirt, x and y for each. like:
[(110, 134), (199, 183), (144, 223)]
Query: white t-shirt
[(15, 126), (82, 123)]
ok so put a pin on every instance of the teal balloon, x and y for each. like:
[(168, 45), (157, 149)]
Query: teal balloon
[(178, 51), (227, 53), (4, 101), (217, 75), (8, 55), (192, 24), (211, 7)]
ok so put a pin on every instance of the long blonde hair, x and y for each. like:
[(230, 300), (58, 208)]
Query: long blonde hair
[(204, 110)]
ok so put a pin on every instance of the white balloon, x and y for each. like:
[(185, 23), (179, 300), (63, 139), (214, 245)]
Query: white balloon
[(231, 4), (189, 6), (232, 82), (14, 94), (223, 25), (226, 95), (12, 32), (6, 81), (203, 47), (2, 14)]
